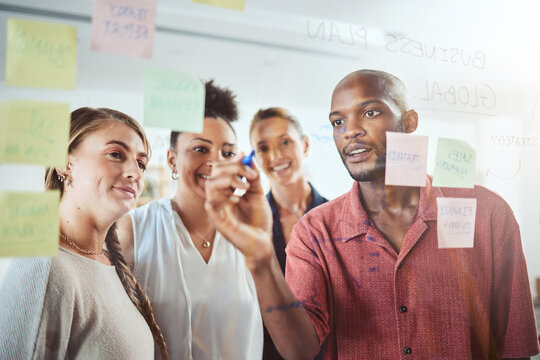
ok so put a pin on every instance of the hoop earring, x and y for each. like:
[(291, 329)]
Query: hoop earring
[(174, 175), (68, 181)]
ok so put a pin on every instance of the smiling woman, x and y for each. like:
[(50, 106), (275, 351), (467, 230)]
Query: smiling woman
[(84, 302), (281, 146), (197, 280)]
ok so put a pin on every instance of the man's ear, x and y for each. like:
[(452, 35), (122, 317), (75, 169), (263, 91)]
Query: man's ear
[(409, 121)]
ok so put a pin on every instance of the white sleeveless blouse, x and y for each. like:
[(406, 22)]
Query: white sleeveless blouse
[(205, 311)]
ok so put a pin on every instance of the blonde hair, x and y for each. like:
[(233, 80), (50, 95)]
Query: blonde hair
[(84, 122), (271, 112)]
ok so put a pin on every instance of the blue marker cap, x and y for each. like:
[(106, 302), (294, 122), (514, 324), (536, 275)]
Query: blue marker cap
[(248, 160)]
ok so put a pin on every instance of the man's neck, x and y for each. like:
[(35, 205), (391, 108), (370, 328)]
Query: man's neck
[(378, 197), (391, 208)]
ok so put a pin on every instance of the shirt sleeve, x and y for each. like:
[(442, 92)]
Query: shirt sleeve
[(307, 278), (512, 312), (31, 315)]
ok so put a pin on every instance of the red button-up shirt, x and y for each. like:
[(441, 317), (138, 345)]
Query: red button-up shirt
[(367, 301)]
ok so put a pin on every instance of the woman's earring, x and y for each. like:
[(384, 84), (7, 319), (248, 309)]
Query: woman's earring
[(174, 175), (68, 181), (60, 178)]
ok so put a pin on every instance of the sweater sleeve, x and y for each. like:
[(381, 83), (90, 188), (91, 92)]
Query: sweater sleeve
[(32, 313)]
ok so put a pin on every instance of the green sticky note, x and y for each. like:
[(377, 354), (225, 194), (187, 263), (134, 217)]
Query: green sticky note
[(41, 54), (34, 132), (455, 164), (229, 4), (173, 100), (29, 223)]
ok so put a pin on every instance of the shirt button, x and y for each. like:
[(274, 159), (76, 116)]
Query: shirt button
[(407, 350), (403, 309)]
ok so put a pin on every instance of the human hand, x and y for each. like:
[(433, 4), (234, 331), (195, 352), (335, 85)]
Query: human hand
[(246, 221)]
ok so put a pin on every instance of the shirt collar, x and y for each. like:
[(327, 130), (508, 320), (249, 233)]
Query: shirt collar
[(355, 221)]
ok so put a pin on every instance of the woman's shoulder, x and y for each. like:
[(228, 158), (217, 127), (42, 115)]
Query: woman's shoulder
[(152, 210)]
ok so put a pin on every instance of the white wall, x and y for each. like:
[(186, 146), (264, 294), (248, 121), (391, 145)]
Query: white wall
[(292, 53)]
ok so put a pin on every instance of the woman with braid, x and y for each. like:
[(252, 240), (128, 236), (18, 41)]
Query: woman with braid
[(84, 303), (200, 287)]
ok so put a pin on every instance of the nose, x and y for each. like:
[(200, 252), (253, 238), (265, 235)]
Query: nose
[(273, 153), (132, 170), (353, 129)]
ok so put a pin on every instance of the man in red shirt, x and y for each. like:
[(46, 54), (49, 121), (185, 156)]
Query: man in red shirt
[(365, 276)]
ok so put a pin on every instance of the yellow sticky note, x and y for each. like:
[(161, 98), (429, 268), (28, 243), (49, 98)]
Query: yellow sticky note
[(29, 223), (41, 54), (34, 132), (229, 4)]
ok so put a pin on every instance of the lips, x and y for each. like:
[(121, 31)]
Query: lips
[(356, 152), (127, 191), (280, 167), (203, 176)]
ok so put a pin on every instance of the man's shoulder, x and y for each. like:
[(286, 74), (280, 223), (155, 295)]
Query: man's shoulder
[(327, 208), (482, 194)]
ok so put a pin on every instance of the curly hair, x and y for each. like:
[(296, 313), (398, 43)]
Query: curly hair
[(218, 103)]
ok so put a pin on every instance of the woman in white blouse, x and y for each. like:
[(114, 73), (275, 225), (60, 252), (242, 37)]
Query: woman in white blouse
[(202, 293)]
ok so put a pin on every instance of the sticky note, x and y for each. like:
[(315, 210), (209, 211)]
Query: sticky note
[(34, 132), (29, 223), (173, 100), (41, 54), (455, 164), (455, 222), (406, 159), (124, 27), (228, 4)]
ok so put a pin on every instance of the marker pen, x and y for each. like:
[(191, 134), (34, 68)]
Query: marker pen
[(246, 160)]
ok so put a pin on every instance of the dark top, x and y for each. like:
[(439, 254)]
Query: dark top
[(277, 231), (270, 352)]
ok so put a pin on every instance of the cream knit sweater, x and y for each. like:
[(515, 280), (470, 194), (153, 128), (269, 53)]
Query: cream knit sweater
[(69, 307)]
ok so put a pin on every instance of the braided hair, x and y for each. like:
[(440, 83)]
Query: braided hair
[(85, 121)]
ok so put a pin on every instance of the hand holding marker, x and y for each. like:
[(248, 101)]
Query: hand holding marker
[(247, 160)]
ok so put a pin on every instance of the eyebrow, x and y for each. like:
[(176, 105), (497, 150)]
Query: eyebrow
[(280, 136), (210, 142), (359, 105), (126, 147)]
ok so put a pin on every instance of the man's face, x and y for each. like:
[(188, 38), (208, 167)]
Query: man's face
[(361, 114)]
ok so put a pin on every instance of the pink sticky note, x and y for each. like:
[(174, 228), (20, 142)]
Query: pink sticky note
[(406, 159), (455, 222), (124, 27)]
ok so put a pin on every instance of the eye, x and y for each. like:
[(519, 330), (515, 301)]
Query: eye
[(371, 113), (337, 123), (115, 155), (262, 149), (229, 154), (285, 142), (201, 149), (142, 165)]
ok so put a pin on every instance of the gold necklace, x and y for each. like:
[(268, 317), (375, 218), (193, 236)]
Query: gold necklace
[(206, 243), (78, 248)]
